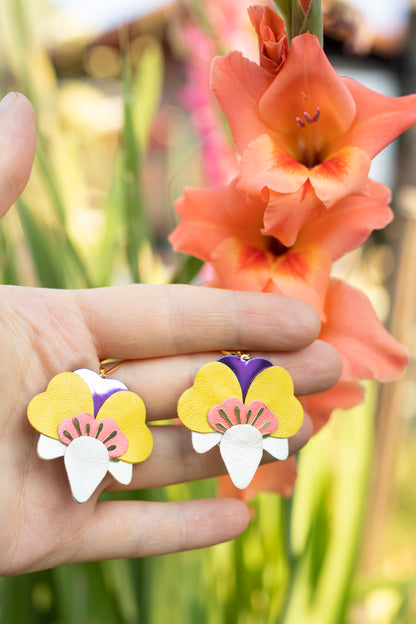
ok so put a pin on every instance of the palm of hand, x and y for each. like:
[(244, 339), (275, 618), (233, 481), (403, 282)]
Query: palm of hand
[(167, 333)]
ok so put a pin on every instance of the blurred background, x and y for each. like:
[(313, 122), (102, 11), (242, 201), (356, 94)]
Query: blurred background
[(125, 122)]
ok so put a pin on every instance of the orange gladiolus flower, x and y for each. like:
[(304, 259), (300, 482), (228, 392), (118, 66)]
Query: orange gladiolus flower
[(306, 136), (225, 228)]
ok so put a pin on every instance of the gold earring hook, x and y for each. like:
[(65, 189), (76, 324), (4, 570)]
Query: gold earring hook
[(104, 372)]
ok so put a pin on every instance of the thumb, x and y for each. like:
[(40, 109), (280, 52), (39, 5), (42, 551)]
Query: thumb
[(17, 147)]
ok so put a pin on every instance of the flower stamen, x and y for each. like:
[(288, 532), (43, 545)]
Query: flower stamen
[(308, 118)]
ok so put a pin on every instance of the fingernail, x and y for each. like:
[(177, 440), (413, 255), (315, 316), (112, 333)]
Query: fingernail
[(6, 101)]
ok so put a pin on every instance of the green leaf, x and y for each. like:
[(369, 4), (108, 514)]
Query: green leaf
[(298, 21), (135, 221), (149, 82), (45, 250), (188, 271), (9, 273), (284, 8)]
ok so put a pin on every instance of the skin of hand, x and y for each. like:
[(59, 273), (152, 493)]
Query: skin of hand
[(166, 333)]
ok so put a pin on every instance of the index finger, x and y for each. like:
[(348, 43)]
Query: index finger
[(141, 321)]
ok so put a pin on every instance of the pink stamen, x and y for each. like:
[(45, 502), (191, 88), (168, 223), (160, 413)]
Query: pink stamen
[(308, 118), (317, 114)]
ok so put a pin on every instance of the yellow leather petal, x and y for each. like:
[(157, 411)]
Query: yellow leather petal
[(129, 412), (274, 386), (213, 383), (66, 396)]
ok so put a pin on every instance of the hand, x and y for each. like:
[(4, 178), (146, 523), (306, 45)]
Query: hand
[(166, 333)]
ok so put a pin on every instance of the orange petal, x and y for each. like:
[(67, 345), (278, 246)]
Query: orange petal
[(379, 119), (271, 33), (308, 82), (277, 477), (367, 349), (238, 85), (303, 273), (208, 217), (241, 267), (344, 173), (344, 395), (286, 213), (305, 5), (265, 164), (202, 226), (349, 222)]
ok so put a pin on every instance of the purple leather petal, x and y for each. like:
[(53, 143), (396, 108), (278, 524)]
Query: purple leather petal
[(100, 388), (245, 370)]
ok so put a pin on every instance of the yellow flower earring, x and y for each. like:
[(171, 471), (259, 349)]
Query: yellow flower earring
[(246, 405), (96, 424)]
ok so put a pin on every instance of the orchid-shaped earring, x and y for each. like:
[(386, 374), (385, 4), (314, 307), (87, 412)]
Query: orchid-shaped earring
[(246, 406), (96, 424)]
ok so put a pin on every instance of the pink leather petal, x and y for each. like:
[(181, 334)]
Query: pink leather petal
[(105, 430), (233, 412)]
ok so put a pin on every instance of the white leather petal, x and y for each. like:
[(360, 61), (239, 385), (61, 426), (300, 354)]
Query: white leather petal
[(49, 448), (86, 463), (203, 442), (242, 449), (278, 447), (122, 471)]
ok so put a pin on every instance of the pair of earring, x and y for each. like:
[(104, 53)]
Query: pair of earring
[(244, 404)]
